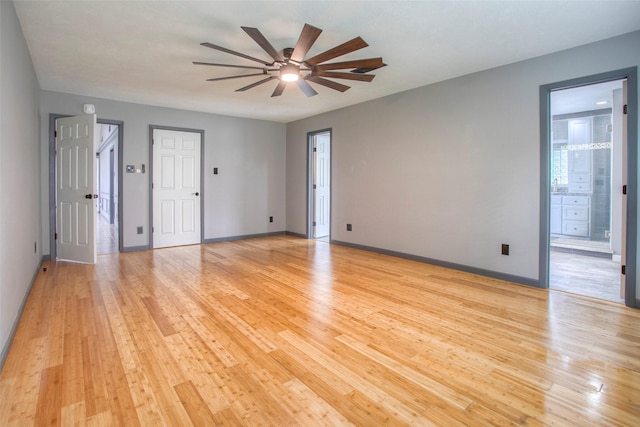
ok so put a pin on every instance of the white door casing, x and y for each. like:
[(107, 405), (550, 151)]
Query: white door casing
[(176, 188), (76, 188), (322, 184)]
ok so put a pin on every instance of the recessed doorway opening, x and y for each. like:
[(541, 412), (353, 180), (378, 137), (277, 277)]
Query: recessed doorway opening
[(586, 200), (107, 224)]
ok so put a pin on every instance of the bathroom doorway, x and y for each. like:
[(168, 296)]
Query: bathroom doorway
[(586, 157)]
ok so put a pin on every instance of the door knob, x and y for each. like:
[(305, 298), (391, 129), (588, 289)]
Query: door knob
[(196, 193), (90, 196)]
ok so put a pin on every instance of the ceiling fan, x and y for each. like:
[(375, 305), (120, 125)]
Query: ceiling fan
[(290, 65)]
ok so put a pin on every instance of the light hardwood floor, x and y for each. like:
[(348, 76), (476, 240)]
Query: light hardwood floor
[(285, 331)]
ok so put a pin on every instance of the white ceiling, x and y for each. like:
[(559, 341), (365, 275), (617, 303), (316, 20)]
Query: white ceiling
[(142, 51)]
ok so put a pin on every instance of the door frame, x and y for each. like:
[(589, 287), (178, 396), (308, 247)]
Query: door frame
[(310, 168), (631, 75), (112, 214), (202, 193), (53, 249)]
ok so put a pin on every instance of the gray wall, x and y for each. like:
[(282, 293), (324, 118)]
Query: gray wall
[(448, 171), (20, 248), (249, 155)]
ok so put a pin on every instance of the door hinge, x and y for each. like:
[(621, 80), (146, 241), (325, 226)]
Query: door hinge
[(624, 189), (152, 185), (624, 269), (315, 149), (314, 186), (152, 230), (55, 236), (314, 223), (624, 109), (55, 133)]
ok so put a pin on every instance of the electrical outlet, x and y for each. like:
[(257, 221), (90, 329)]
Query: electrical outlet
[(270, 219), (139, 229), (349, 228), (505, 249)]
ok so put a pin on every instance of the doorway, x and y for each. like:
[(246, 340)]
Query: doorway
[(586, 163), (107, 229), (117, 200), (319, 181)]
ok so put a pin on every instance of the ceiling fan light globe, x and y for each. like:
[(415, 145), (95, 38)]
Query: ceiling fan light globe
[(289, 73)]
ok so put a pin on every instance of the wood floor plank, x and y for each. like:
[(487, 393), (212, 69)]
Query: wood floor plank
[(194, 404), (48, 408), (289, 331)]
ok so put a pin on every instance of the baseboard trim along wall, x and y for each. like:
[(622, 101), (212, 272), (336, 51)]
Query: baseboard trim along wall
[(473, 270), (291, 233), (135, 248), (16, 321), (242, 237)]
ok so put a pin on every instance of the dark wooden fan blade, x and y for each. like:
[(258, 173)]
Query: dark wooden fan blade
[(233, 52), (347, 76), (234, 77), (257, 36), (279, 89), (307, 37), (343, 49), (328, 83), (306, 87), (258, 83), (372, 63), (228, 65)]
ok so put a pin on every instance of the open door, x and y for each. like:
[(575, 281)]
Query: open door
[(76, 189)]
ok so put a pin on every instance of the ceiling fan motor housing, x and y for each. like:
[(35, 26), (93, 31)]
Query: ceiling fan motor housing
[(287, 52)]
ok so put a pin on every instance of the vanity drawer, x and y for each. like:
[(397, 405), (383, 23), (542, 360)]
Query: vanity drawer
[(575, 200), (580, 187), (575, 213), (575, 228), (580, 178)]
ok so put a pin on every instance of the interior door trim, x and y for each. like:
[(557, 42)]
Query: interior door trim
[(152, 128), (53, 250), (631, 75)]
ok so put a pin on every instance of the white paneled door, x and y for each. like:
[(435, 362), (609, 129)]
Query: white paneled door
[(322, 184), (176, 188), (76, 191)]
